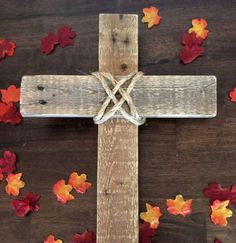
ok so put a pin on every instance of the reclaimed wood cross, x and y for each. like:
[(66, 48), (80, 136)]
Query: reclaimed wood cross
[(153, 96)]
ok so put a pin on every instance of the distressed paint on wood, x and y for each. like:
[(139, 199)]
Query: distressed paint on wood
[(154, 96), (117, 179)]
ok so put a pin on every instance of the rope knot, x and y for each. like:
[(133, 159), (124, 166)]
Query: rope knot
[(104, 113)]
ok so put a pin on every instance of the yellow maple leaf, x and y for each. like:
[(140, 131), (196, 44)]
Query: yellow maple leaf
[(151, 16), (62, 191), (220, 213), (151, 216), (14, 184), (199, 27), (179, 206)]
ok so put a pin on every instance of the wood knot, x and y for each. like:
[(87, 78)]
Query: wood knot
[(124, 66), (40, 87)]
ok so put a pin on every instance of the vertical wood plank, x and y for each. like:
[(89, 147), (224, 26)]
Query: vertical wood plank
[(117, 180)]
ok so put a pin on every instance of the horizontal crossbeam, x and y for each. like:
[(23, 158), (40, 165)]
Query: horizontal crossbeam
[(154, 96)]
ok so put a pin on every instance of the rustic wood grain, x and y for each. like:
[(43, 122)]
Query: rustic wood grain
[(154, 96), (175, 155), (117, 178)]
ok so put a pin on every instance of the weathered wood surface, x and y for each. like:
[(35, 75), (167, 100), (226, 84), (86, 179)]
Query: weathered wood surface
[(117, 178), (154, 96), (175, 155)]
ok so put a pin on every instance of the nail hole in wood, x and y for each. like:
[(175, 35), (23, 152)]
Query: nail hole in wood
[(124, 66), (42, 102), (40, 87)]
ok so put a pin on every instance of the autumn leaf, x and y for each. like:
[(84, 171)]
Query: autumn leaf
[(8, 162), (79, 182), (179, 206), (28, 204), (51, 239), (62, 191), (189, 54), (151, 16), (217, 241), (9, 114), (146, 233), (151, 216), (220, 213), (7, 48), (48, 43), (14, 184), (11, 94), (66, 36), (86, 237), (232, 95), (214, 191), (199, 27), (191, 40), (1, 177)]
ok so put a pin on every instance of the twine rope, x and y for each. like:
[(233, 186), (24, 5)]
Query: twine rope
[(104, 113)]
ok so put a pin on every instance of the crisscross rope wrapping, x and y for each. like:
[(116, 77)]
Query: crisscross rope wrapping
[(104, 113)]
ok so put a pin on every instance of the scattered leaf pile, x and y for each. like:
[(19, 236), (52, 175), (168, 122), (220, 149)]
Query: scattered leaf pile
[(192, 41), (9, 113), (64, 37)]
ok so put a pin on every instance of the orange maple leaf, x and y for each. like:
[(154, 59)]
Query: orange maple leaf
[(151, 16), (151, 216), (79, 182), (179, 206), (11, 94), (220, 213), (232, 95), (62, 191), (14, 184), (51, 239), (199, 27)]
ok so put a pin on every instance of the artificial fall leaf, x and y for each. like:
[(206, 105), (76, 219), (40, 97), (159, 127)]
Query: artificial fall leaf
[(145, 233), (214, 191), (232, 95), (179, 206), (8, 162), (189, 54), (191, 39), (9, 114), (11, 94), (151, 16), (217, 241), (66, 36), (220, 213), (86, 237), (62, 191), (151, 216), (51, 239), (28, 204), (14, 184), (79, 182), (7, 48), (48, 43), (199, 27)]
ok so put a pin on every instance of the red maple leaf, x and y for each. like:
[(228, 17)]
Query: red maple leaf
[(86, 237), (232, 95), (217, 241), (215, 191), (48, 43), (189, 54), (26, 205), (7, 48), (191, 39), (8, 162), (146, 232), (66, 36), (9, 113)]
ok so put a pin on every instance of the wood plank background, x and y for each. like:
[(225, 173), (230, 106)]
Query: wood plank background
[(175, 156)]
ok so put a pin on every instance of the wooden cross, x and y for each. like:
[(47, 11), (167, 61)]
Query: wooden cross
[(153, 96)]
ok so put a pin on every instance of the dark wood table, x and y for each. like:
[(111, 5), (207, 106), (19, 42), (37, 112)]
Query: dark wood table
[(176, 156)]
